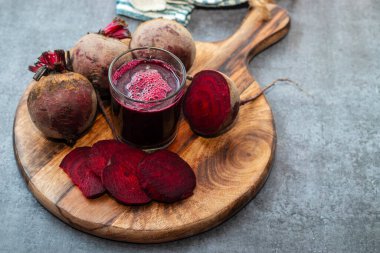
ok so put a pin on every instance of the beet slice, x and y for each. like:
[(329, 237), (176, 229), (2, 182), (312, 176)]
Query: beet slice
[(105, 151), (121, 182), (128, 156), (86, 180), (166, 177), (101, 154), (211, 103), (74, 159), (77, 167)]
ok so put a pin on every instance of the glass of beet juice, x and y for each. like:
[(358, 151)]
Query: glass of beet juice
[(147, 86)]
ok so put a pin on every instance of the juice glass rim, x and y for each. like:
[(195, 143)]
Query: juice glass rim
[(182, 70)]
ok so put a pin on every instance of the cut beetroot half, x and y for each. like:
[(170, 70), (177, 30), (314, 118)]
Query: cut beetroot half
[(78, 168), (105, 152), (166, 177), (211, 103), (121, 182)]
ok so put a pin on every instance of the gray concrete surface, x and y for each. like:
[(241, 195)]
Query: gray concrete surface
[(323, 192)]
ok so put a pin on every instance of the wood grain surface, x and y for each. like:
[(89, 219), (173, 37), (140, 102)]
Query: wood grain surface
[(230, 169)]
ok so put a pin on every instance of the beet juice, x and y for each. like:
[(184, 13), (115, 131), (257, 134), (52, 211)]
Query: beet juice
[(146, 102)]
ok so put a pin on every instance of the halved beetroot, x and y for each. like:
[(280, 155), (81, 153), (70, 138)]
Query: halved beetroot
[(211, 103), (77, 167), (166, 177), (105, 152), (122, 183)]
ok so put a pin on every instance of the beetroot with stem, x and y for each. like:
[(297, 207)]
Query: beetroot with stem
[(166, 177), (76, 165), (61, 104), (94, 52), (212, 102)]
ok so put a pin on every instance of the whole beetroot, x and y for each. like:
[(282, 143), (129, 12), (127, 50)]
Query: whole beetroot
[(61, 104), (166, 34), (94, 52)]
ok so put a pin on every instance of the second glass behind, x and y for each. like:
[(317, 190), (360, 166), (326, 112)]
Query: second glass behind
[(147, 86)]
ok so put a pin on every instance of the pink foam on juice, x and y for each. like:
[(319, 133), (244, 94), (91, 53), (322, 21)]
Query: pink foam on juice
[(148, 85), (146, 80)]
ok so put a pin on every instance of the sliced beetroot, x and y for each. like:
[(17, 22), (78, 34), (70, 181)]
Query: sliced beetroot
[(128, 156), (89, 183), (122, 183), (74, 159), (166, 177), (211, 103), (105, 152), (77, 167), (101, 154), (97, 163)]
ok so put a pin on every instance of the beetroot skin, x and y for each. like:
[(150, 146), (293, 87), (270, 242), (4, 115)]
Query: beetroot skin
[(78, 169), (62, 104), (166, 34), (93, 53), (166, 177), (211, 103), (122, 183)]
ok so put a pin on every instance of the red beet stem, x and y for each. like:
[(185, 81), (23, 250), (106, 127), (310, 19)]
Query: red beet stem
[(49, 61), (117, 29), (243, 102)]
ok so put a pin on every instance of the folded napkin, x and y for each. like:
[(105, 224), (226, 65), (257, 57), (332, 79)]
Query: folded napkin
[(178, 10)]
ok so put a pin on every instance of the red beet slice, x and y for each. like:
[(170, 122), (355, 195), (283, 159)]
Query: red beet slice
[(77, 167), (101, 154), (121, 182), (166, 177), (105, 152), (128, 156), (211, 103), (89, 183), (74, 159)]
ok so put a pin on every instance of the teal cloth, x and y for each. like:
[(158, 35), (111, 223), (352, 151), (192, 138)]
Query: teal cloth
[(178, 10)]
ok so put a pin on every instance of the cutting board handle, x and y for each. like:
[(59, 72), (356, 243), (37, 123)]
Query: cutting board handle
[(256, 34), (253, 36)]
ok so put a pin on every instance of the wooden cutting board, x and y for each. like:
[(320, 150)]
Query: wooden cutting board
[(230, 169)]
